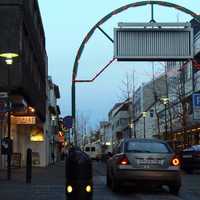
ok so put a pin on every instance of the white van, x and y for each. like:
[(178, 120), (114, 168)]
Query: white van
[(93, 151)]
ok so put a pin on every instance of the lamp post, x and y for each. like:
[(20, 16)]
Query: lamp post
[(130, 125), (165, 101), (9, 61), (144, 115)]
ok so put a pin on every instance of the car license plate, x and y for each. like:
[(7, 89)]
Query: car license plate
[(187, 156), (149, 162), (146, 166)]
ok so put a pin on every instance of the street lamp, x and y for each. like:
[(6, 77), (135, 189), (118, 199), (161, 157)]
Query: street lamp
[(9, 61), (9, 57), (144, 115), (165, 101), (130, 125)]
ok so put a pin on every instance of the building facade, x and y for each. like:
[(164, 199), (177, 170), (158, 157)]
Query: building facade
[(168, 108), (24, 82), (120, 121), (55, 136), (147, 102)]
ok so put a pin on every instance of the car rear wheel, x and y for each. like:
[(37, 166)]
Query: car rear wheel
[(174, 189)]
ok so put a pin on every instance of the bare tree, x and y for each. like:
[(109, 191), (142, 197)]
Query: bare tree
[(126, 88), (127, 92), (82, 125), (181, 102)]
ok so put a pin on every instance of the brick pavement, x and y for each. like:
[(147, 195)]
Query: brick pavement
[(47, 184)]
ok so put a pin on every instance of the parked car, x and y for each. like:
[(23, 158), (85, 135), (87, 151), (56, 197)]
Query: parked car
[(191, 159), (144, 161)]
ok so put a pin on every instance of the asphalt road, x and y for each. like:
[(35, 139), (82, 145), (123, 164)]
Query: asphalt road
[(190, 188)]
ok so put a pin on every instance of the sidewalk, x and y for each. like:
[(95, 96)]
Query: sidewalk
[(47, 184)]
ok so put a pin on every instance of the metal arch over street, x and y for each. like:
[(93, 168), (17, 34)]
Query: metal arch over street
[(119, 10), (102, 21)]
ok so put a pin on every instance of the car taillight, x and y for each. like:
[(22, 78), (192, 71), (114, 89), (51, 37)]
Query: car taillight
[(175, 161), (122, 160)]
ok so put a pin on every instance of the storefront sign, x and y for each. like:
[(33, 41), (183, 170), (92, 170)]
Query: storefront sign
[(23, 119)]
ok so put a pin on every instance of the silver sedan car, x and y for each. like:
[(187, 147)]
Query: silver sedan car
[(146, 161)]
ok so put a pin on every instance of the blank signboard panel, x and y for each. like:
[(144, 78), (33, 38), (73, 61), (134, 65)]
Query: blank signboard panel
[(153, 44)]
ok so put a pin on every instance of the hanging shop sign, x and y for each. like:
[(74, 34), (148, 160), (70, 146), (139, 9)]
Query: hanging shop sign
[(60, 137), (23, 119)]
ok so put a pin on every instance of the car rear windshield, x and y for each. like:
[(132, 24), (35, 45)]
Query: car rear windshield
[(147, 147)]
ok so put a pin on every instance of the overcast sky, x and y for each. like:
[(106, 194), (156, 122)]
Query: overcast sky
[(67, 22)]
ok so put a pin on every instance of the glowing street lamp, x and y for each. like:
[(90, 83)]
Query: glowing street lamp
[(9, 57), (165, 101), (144, 115)]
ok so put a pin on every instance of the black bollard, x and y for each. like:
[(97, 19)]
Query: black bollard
[(79, 185), (29, 166)]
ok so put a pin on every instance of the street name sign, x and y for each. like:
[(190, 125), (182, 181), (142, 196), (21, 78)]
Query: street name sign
[(68, 122)]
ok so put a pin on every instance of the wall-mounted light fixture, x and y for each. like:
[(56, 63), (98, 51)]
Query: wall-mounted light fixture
[(9, 57)]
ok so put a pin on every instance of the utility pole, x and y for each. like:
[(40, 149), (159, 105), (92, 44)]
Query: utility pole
[(166, 126), (144, 115), (9, 156), (169, 109)]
